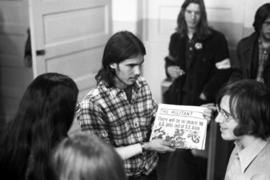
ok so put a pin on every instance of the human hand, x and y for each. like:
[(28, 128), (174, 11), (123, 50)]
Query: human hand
[(159, 145), (203, 97), (175, 71), (209, 112)]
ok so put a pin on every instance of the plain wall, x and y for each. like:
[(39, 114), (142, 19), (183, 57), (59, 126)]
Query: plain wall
[(155, 20)]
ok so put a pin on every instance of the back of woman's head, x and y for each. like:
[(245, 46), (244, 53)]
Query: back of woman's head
[(86, 157), (44, 116), (49, 106), (121, 46)]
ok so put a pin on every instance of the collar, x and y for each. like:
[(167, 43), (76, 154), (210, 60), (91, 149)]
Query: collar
[(114, 91), (249, 153), (260, 42)]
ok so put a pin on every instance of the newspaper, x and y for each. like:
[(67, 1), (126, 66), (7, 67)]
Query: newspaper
[(184, 126)]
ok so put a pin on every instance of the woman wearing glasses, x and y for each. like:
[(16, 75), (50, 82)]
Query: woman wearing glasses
[(244, 117)]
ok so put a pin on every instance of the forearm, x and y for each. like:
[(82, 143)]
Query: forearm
[(219, 78), (127, 152), (168, 62), (236, 75), (157, 145)]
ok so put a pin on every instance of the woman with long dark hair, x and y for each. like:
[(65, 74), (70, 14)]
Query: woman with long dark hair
[(198, 64), (43, 119)]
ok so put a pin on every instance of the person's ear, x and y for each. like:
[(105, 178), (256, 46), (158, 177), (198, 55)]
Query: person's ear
[(113, 66)]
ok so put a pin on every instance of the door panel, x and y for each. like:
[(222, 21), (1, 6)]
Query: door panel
[(14, 75), (70, 36)]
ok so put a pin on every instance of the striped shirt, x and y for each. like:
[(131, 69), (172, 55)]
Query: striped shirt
[(107, 112)]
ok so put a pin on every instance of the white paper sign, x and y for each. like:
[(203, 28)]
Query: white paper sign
[(184, 126)]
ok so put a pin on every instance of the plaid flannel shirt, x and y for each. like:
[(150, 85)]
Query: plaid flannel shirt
[(107, 113)]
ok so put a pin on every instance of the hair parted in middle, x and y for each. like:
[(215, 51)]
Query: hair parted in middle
[(121, 46), (203, 30)]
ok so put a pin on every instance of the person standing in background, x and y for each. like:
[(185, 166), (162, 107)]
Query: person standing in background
[(121, 109), (244, 117), (199, 65), (253, 52)]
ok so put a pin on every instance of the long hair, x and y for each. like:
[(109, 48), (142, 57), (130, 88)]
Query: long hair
[(121, 46), (202, 29), (85, 157), (44, 117), (261, 15), (249, 103)]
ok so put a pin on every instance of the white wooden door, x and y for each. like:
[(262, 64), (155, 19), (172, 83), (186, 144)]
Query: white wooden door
[(14, 74), (68, 36)]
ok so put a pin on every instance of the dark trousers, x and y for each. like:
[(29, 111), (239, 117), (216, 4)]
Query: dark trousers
[(151, 176), (182, 165)]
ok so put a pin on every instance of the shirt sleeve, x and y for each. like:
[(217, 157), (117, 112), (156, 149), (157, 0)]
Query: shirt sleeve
[(237, 73), (91, 119), (221, 48), (222, 68), (154, 112), (170, 59)]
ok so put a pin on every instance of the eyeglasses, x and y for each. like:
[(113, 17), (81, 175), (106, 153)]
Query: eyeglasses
[(227, 116)]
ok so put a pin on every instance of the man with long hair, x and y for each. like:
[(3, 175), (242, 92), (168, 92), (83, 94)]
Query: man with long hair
[(253, 52), (198, 64), (244, 118), (121, 109)]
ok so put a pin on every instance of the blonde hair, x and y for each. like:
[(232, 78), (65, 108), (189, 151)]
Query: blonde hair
[(84, 157)]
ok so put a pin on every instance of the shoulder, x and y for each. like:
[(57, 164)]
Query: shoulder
[(141, 81), (260, 166), (176, 36), (92, 94), (263, 156), (177, 40), (216, 35), (216, 32), (92, 98), (248, 40), (144, 87), (216, 41), (266, 150), (144, 94)]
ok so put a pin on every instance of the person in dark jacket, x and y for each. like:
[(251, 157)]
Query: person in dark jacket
[(253, 60), (199, 65), (198, 57)]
